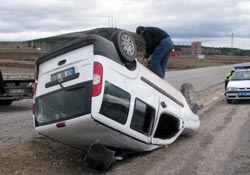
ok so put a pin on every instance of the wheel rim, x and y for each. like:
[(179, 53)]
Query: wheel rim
[(127, 45)]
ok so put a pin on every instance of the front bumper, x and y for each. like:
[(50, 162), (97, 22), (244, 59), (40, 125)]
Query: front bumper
[(241, 95)]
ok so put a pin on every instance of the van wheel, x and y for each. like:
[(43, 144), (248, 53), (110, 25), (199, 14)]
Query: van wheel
[(187, 90), (125, 45), (99, 157), (6, 102)]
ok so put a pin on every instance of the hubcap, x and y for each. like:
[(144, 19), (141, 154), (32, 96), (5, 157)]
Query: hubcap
[(128, 45)]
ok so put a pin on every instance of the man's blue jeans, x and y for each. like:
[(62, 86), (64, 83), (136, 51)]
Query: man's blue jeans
[(160, 57)]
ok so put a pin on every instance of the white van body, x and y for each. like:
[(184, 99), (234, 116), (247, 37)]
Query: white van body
[(85, 93)]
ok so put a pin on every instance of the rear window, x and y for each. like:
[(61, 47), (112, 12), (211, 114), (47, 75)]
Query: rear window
[(63, 104), (115, 103)]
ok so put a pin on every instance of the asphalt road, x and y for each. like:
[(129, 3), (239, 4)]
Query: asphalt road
[(221, 146), (201, 78)]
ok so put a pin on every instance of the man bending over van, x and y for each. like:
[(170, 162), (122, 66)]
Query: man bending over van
[(159, 45)]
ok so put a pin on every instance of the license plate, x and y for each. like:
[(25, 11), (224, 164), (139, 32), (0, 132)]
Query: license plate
[(63, 74), (244, 93)]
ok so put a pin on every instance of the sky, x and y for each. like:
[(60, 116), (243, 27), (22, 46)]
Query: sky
[(216, 23)]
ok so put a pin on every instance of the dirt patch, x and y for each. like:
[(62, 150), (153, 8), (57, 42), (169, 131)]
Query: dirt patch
[(208, 96), (23, 151), (188, 62), (38, 155), (15, 62)]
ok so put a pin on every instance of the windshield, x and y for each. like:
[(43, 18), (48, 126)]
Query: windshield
[(241, 75), (63, 104)]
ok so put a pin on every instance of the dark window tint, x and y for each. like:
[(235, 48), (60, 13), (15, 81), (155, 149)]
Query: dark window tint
[(143, 117), (168, 126), (63, 104), (115, 103)]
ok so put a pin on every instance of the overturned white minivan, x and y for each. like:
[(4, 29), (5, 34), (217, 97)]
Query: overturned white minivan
[(94, 89)]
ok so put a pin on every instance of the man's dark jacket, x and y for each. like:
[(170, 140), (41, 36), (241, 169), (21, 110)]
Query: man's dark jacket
[(153, 36)]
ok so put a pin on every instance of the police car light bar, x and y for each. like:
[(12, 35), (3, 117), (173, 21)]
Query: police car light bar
[(241, 67)]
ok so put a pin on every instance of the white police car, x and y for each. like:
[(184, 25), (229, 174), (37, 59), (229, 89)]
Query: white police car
[(94, 90), (238, 87)]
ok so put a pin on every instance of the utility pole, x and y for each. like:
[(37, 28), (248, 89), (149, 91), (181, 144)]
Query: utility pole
[(232, 43), (111, 21), (108, 21)]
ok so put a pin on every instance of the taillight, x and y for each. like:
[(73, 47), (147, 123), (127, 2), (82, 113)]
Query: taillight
[(34, 96), (97, 79), (60, 125)]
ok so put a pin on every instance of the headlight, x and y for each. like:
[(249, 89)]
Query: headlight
[(232, 89)]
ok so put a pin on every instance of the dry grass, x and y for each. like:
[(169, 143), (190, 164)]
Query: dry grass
[(188, 62), (23, 61)]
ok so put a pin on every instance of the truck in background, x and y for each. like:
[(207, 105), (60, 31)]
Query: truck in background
[(15, 87)]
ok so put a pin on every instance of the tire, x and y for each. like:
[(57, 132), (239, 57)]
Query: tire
[(125, 45), (229, 101), (99, 157), (187, 91), (6, 102)]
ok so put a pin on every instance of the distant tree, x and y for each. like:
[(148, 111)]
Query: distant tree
[(140, 43)]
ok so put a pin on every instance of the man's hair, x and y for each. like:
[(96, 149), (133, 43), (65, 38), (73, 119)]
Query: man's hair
[(139, 28)]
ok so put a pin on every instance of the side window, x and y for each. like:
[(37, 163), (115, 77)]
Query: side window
[(168, 126), (143, 117), (115, 104)]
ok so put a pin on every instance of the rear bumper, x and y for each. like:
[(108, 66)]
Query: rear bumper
[(17, 94)]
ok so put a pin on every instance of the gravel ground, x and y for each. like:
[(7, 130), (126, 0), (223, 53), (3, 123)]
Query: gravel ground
[(23, 151), (220, 147), (215, 149)]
